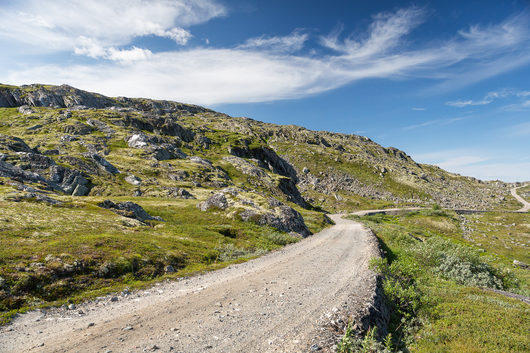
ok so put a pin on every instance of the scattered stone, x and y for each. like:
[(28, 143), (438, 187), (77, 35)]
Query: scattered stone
[(133, 180), (169, 269), (114, 299), (103, 163), (158, 149), (179, 193), (26, 110), (34, 127), (15, 144), (52, 152), (68, 138), (78, 128), (520, 264), (129, 209), (71, 307), (101, 126), (80, 190), (200, 160), (127, 328), (217, 201), (179, 175)]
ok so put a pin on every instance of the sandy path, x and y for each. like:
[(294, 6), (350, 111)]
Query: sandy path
[(526, 205), (271, 304)]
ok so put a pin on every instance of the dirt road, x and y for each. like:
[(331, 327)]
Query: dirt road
[(276, 303), (526, 205)]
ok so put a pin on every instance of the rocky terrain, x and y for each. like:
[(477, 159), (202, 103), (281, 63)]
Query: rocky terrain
[(99, 191), (82, 142)]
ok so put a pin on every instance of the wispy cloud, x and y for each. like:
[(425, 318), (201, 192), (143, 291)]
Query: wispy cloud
[(436, 122), (262, 69), (284, 44), (502, 93), (418, 109), (465, 103), (476, 164)]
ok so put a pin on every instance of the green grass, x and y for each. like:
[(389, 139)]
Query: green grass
[(83, 235), (464, 319), (436, 285)]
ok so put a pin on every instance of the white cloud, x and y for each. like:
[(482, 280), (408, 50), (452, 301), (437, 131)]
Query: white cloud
[(52, 25), (386, 32), (252, 72), (418, 109), (91, 49), (127, 55), (494, 95), (287, 44), (465, 103)]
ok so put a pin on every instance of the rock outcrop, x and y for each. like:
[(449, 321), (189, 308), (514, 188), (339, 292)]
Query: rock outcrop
[(128, 209)]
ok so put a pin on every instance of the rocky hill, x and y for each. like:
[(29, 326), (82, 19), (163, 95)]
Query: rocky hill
[(84, 143), (99, 192)]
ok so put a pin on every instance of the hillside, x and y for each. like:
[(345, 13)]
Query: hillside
[(99, 192), (331, 170)]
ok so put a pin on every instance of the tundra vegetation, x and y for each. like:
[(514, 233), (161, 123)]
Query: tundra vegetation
[(451, 282), (98, 194)]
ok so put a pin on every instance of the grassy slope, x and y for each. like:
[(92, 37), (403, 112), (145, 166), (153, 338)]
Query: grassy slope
[(79, 232), (190, 240), (449, 314)]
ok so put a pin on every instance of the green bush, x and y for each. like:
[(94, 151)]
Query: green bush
[(399, 285), (282, 239), (351, 343), (229, 252), (457, 262)]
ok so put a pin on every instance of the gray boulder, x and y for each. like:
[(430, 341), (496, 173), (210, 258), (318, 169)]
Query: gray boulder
[(284, 218), (8, 170), (101, 126), (78, 128), (179, 193), (133, 180), (103, 163), (14, 144), (26, 110), (159, 150), (128, 209), (216, 201)]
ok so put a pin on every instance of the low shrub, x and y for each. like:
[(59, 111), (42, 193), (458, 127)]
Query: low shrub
[(281, 239), (458, 263)]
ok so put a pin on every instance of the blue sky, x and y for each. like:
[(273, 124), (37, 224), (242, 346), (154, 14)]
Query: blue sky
[(447, 82)]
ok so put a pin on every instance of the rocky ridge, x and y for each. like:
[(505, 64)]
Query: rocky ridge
[(309, 168)]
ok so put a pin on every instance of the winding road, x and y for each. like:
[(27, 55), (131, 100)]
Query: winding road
[(526, 204), (275, 303)]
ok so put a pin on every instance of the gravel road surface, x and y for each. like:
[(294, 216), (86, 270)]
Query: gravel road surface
[(276, 303)]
